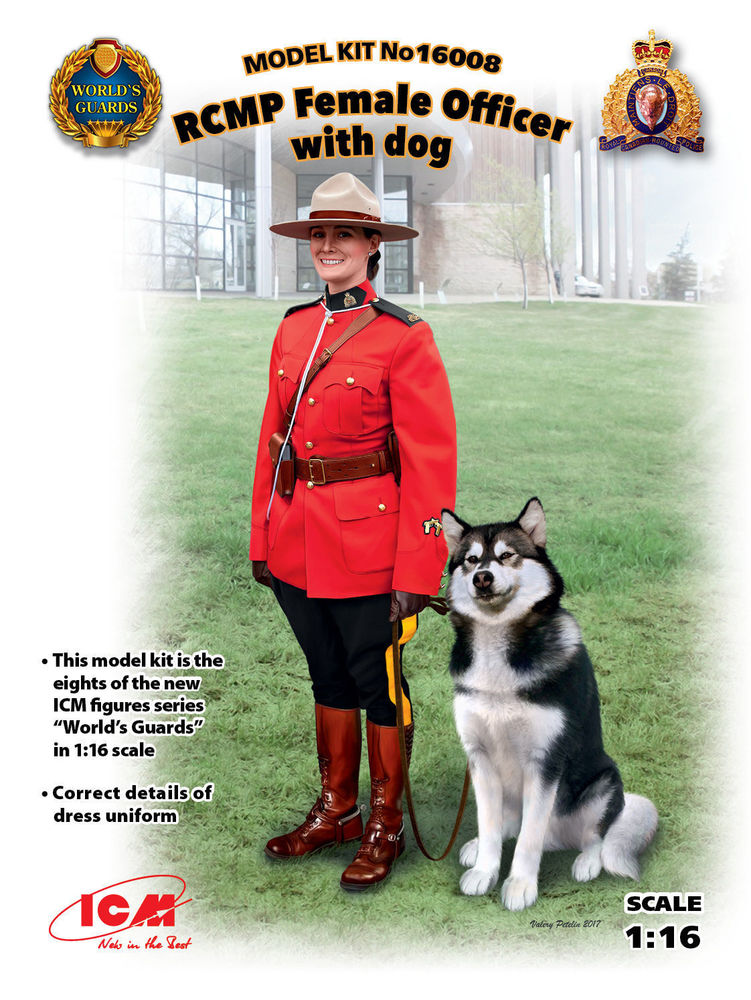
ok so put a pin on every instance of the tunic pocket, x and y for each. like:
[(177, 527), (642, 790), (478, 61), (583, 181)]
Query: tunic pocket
[(288, 375), (368, 513), (350, 398), (279, 510)]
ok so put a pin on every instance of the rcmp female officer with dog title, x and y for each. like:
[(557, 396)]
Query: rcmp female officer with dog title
[(346, 522)]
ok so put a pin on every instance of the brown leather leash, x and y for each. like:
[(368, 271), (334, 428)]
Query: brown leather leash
[(437, 604)]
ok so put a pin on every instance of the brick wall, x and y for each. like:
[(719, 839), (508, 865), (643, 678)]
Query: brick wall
[(448, 248)]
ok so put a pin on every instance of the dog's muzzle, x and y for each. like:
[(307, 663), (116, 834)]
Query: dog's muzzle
[(488, 589), (483, 581)]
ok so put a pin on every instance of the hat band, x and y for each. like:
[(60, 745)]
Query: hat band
[(360, 216)]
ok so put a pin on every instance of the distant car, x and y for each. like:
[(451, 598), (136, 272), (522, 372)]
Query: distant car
[(583, 286)]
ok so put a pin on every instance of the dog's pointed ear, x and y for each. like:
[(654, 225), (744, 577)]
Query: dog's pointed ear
[(453, 529), (532, 521)]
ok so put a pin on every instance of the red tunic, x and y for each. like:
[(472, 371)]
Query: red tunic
[(366, 536)]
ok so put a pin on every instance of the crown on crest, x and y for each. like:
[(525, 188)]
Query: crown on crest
[(652, 54)]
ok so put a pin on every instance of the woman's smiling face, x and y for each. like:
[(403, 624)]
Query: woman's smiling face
[(340, 255)]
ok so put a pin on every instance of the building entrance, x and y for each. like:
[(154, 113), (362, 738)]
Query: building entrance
[(234, 255)]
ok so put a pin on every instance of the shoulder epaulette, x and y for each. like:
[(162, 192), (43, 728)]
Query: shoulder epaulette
[(383, 305), (303, 305)]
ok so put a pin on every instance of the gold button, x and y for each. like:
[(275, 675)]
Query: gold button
[(280, 372), (350, 381), (311, 484), (382, 506), (330, 321), (311, 402), (308, 444)]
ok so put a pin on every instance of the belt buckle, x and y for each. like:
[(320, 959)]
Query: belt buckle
[(322, 480)]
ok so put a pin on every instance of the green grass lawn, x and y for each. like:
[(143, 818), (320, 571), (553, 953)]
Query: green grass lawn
[(593, 408)]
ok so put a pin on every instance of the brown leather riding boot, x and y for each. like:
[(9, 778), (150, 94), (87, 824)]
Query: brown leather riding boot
[(335, 818), (383, 840)]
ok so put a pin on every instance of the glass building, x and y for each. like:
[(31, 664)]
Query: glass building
[(203, 211), (191, 213)]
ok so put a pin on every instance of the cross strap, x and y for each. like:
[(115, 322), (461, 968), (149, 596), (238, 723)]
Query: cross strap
[(357, 324)]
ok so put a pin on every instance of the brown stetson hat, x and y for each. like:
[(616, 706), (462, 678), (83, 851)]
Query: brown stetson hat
[(344, 200)]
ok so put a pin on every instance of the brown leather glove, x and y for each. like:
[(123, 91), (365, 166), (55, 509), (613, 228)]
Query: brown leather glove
[(261, 572), (404, 604)]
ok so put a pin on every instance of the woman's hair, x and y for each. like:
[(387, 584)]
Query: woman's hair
[(372, 261)]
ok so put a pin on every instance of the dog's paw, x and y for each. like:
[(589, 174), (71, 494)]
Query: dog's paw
[(476, 882), (517, 893), (587, 866), (468, 853)]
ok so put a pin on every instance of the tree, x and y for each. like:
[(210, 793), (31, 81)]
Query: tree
[(560, 239), (679, 272), (511, 225)]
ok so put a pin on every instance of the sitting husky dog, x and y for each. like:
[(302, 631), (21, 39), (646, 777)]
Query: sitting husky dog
[(528, 715)]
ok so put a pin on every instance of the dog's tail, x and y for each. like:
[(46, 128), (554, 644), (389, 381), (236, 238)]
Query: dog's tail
[(627, 837)]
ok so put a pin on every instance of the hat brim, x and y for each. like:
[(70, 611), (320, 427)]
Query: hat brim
[(300, 229)]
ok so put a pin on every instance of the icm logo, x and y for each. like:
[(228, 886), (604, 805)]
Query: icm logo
[(146, 901)]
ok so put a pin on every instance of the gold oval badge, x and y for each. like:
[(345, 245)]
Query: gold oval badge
[(105, 94), (652, 104)]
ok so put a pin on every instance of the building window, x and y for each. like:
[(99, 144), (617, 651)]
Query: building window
[(188, 215), (397, 207)]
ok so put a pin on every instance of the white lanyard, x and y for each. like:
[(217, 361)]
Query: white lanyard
[(327, 313)]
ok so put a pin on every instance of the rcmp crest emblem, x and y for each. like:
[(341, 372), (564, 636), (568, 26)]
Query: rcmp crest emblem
[(651, 105), (105, 94)]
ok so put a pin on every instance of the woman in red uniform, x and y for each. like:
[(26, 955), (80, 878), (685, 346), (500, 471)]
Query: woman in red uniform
[(358, 544)]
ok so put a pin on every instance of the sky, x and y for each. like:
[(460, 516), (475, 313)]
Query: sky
[(690, 194)]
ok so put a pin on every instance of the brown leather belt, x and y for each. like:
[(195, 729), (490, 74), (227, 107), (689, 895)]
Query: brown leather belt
[(320, 471)]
